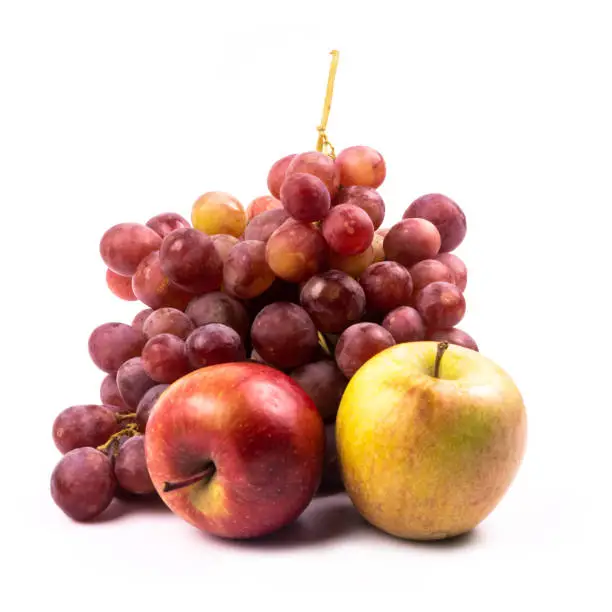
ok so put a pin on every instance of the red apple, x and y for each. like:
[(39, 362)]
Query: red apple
[(236, 449)]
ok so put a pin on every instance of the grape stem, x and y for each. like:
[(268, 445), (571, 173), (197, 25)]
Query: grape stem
[(323, 144), (203, 476), (126, 415), (442, 346), (128, 430)]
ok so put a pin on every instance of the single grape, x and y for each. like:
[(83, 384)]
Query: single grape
[(331, 477), (111, 344), (83, 484), (405, 325), (430, 271), (164, 358), (265, 224), (386, 285), (124, 246), (441, 305), (445, 214), (305, 197), (153, 288), (366, 198), (87, 425), (358, 344), (189, 259), (324, 383), (334, 300), (109, 393), (217, 307), (296, 251), (284, 335), (378, 246), (353, 265), (133, 381), (166, 223), (168, 321), (223, 244), (276, 176), (348, 230), (214, 343), (121, 286), (316, 164), (262, 204), (217, 212), (411, 241), (146, 404), (246, 273), (131, 467), (454, 336), (361, 166), (140, 318), (457, 267)]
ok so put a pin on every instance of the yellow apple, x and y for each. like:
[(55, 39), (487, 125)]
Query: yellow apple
[(428, 457)]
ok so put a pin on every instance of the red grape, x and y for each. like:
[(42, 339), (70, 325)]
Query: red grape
[(454, 336), (146, 404), (457, 267), (441, 305), (386, 285), (265, 224), (217, 212), (124, 246), (284, 335), (111, 344), (109, 393), (246, 273), (83, 484), (305, 197), (317, 164), (214, 343), (189, 259), (331, 477), (405, 325), (276, 176), (358, 344), (429, 271), (168, 321), (133, 381), (261, 205), (166, 223), (334, 300), (411, 241), (361, 166), (121, 286), (348, 230), (353, 265), (88, 425), (131, 467), (445, 214), (140, 318), (224, 243), (164, 358), (367, 199), (217, 307)]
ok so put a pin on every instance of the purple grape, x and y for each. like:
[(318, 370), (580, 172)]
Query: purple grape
[(214, 343), (133, 381), (146, 404), (358, 344), (84, 425), (112, 344), (131, 467)]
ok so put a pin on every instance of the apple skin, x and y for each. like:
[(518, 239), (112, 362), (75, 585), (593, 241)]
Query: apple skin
[(428, 458), (264, 435)]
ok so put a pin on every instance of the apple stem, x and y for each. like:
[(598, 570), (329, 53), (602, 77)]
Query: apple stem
[(442, 346), (205, 475)]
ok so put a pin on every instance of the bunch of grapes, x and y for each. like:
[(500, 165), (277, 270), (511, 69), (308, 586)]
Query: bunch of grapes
[(304, 280)]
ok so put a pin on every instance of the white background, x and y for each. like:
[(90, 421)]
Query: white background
[(115, 111)]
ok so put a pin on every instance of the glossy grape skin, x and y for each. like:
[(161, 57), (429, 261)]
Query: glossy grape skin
[(411, 241), (83, 484), (284, 335), (366, 198), (265, 224), (146, 404), (165, 223), (296, 251), (334, 300), (405, 325), (125, 245), (331, 477), (168, 321), (378, 246), (164, 359), (348, 230), (358, 344), (140, 318), (353, 265), (441, 305), (131, 467), (457, 267), (120, 286), (430, 271), (153, 288), (217, 212), (305, 197), (223, 244), (246, 273), (453, 336), (324, 383), (189, 259), (133, 381), (361, 165), (212, 344), (112, 344), (445, 214), (83, 425), (276, 175), (316, 164), (217, 307), (109, 393), (386, 285), (262, 204)]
